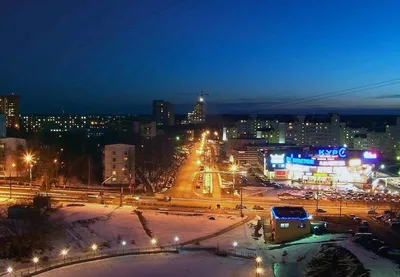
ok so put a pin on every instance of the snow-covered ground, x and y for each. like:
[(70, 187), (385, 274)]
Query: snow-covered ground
[(109, 225), (190, 264)]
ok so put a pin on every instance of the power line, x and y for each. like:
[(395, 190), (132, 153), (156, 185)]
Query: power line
[(327, 95)]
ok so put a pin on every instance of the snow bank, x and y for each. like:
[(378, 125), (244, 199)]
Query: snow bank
[(193, 264)]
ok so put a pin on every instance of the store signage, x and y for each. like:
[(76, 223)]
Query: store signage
[(293, 160), (280, 173), (318, 174), (333, 152), (277, 158), (332, 163), (370, 155)]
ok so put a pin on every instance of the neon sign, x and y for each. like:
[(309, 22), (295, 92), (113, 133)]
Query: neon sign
[(370, 155), (332, 163), (277, 159), (293, 160), (333, 152)]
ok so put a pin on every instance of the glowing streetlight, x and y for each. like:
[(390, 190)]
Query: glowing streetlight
[(123, 243), (176, 239), (259, 271), (216, 133), (258, 259), (398, 158), (382, 166), (198, 162), (28, 158), (208, 132), (55, 161), (94, 248), (64, 253), (235, 244), (35, 261), (233, 169), (10, 270), (153, 241)]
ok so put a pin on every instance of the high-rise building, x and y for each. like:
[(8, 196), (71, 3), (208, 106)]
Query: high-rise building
[(146, 129), (9, 105), (197, 115), (163, 113), (119, 164)]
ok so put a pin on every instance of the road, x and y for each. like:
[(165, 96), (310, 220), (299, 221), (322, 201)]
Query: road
[(186, 178)]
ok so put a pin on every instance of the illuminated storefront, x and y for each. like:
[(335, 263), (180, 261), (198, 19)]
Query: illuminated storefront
[(321, 166)]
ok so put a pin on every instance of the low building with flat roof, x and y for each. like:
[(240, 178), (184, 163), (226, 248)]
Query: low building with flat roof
[(289, 223)]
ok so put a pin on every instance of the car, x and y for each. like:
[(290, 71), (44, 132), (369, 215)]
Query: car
[(92, 195), (258, 208), (371, 211), (211, 217), (357, 219), (319, 210), (364, 223), (352, 215), (240, 207)]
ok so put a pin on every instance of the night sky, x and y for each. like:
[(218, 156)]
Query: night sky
[(117, 56)]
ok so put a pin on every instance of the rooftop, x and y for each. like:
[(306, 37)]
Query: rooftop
[(287, 212)]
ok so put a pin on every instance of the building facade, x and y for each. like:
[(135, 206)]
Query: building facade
[(289, 223), (119, 164), (197, 115), (10, 157), (9, 105), (146, 129), (163, 113)]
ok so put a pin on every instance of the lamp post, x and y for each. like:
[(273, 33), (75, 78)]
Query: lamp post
[(28, 159), (233, 169), (13, 166), (94, 248), (35, 261), (259, 271), (64, 253), (153, 242), (235, 245), (176, 239), (123, 243), (10, 270)]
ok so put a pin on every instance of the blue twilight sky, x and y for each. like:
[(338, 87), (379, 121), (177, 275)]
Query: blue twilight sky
[(250, 55)]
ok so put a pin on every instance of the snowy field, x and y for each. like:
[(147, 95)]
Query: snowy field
[(109, 225), (190, 264)]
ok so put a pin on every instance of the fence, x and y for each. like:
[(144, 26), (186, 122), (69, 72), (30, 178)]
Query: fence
[(43, 266)]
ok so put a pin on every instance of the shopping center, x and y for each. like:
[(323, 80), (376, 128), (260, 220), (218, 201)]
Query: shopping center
[(318, 165)]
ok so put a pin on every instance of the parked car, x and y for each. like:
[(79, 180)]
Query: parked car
[(371, 211), (240, 207), (258, 208), (319, 210), (357, 219), (365, 223)]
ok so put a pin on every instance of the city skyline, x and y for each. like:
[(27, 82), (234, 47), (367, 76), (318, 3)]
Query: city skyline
[(263, 54)]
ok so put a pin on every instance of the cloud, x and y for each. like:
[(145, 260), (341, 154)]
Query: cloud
[(387, 96)]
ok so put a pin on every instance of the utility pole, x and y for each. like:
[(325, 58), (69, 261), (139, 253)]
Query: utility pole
[(316, 209), (10, 186), (89, 171), (120, 196), (241, 200)]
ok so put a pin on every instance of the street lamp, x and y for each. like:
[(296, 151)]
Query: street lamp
[(94, 248), (235, 245), (176, 239), (64, 253), (10, 270), (153, 241), (123, 243), (233, 169), (258, 259), (28, 159), (259, 271), (35, 260), (382, 166)]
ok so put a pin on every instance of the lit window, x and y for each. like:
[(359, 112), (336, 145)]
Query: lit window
[(284, 225)]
